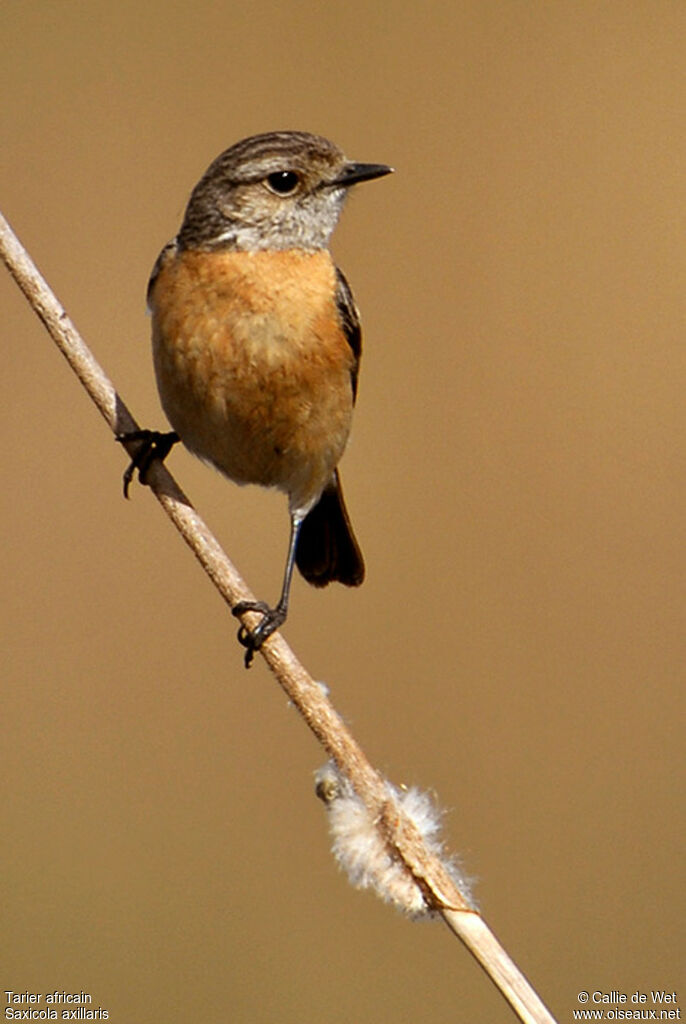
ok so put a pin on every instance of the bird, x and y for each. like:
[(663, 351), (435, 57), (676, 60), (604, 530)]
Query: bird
[(257, 342)]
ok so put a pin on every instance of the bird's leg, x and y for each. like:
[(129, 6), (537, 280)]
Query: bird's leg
[(272, 618), (154, 445)]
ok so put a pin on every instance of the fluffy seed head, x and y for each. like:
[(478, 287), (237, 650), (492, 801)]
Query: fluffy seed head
[(363, 853)]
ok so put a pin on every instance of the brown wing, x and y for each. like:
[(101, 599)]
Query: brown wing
[(350, 319), (168, 253)]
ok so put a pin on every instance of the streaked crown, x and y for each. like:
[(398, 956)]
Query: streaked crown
[(280, 190)]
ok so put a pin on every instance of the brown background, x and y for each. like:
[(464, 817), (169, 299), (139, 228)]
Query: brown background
[(516, 477)]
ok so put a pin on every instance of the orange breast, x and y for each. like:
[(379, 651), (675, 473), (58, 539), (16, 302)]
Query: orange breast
[(252, 365)]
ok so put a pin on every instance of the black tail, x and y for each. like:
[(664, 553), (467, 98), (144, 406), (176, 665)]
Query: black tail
[(327, 549)]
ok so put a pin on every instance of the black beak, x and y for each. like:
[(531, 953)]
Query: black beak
[(352, 173)]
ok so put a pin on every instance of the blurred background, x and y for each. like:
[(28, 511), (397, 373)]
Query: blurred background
[(515, 476)]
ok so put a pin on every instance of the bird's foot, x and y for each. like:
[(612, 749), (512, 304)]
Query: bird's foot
[(252, 639), (154, 444)]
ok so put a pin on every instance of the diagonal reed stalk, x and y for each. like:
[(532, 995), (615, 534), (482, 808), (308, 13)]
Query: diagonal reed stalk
[(398, 831)]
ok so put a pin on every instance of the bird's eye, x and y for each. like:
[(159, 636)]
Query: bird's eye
[(283, 182)]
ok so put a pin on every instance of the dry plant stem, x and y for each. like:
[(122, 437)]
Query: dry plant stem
[(439, 888)]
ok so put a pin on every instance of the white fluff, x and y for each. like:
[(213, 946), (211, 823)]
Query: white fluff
[(360, 848)]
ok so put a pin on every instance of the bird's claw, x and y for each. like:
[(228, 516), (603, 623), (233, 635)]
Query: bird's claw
[(252, 639), (155, 444)]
